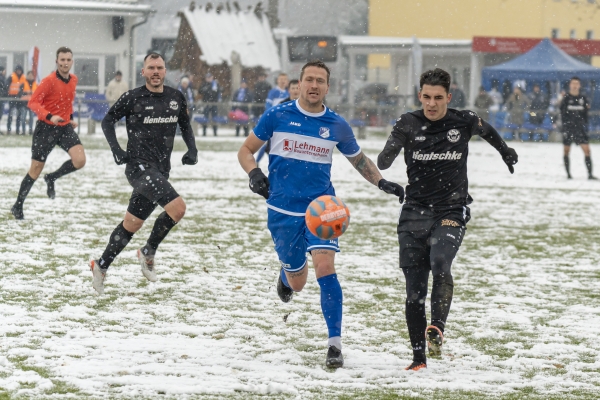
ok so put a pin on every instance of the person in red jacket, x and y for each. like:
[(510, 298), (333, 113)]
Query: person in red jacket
[(52, 102)]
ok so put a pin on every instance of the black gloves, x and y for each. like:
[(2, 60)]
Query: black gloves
[(190, 158), (392, 188), (120, 156), (259, 183), (510, 158)]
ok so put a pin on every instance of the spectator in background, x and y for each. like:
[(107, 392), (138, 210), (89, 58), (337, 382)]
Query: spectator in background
[(482, 104), (539, 105), (15, 89), (458, 97), (115, 88), (242, 95), (211, 93), (496, 98), (517, 104), (3, 90), (28, 89), (279, 93), (507, 89), (185, 87), (261, 91)]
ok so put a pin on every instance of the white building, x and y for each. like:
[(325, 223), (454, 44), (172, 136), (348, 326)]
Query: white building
[(101, 34)]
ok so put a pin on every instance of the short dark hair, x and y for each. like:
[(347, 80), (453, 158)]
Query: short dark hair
[(118, 73), (436, 77), (318, 64), (575, 78), (63, 49), (153, 55), (293, 82)]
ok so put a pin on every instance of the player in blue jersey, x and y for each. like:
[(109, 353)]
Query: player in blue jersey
[(303, 135), (278, 93)]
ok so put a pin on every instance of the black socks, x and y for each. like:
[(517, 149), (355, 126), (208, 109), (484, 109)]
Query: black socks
[(26, 185), (567, 166), (64, 169), (164, 223), (588, 165), (117, 242)]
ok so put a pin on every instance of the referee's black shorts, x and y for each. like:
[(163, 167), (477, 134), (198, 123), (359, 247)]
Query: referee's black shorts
[(46, 136), (577, 136), (151, 187), (420, 229)]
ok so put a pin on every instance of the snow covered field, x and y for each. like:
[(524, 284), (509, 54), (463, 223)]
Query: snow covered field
[(525, 321)]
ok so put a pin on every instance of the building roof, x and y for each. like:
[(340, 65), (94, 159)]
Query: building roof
[(398, 41), (104, 7), (220, 34)]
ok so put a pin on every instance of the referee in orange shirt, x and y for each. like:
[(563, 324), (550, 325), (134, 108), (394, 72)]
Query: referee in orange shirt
[(53, 103)]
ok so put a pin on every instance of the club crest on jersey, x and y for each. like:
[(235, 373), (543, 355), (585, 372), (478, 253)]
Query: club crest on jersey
[(173, 104), (324, 132), (453, 135)]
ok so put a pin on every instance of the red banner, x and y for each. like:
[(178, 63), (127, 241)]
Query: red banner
[(488, 44)]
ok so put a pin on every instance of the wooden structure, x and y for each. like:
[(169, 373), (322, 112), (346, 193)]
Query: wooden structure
[(211, 39)]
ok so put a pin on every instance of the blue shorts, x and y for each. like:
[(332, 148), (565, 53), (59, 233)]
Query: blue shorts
[(293, 239)]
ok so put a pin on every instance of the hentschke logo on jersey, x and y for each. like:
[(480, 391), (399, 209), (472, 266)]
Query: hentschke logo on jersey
[(300, 147), (160, 120), (452, 156)]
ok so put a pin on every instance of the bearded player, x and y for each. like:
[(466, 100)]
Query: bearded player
[(303, 135), (434, 217), (152, 114)]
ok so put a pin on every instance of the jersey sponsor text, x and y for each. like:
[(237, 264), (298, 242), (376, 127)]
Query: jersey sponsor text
[(160, 120), (417, 155)]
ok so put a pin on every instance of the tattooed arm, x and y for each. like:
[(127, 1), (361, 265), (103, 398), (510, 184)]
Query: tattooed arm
[(366, 168)]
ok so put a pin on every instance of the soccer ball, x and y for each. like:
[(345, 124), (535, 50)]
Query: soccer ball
[(327, 217)]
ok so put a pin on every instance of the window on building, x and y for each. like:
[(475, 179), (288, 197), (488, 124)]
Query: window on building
[(572, 34), (555, 33), (589, 35)]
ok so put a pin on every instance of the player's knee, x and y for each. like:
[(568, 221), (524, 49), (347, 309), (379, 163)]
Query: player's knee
[(79, 162)]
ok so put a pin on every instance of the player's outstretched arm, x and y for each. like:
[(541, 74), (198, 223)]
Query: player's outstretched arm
[(191, 156), (491, 135), (369, 171), (116, 112), (393, 146), (259, 183)]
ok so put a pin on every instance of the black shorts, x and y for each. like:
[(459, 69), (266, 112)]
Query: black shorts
[(150, 188), (419, 229), (46, 136), (579, 136)]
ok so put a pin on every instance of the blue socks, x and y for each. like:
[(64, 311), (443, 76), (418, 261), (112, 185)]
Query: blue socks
[(331, 305)]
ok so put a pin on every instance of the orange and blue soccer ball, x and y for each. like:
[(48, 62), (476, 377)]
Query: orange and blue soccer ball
[(327, 217)]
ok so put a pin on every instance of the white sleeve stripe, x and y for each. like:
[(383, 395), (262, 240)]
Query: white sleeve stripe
[(353, 155)]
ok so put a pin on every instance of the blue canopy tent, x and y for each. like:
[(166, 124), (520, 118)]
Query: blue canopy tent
[(545, 62)]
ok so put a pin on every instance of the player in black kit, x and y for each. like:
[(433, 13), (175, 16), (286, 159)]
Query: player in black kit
[(434, 217), (152, 113), (574, 114)]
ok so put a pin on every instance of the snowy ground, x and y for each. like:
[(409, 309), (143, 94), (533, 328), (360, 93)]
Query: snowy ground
[(525, 321)]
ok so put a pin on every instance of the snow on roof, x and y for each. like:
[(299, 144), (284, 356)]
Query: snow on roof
[(79, 6), (399, 41), (219, 34)]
